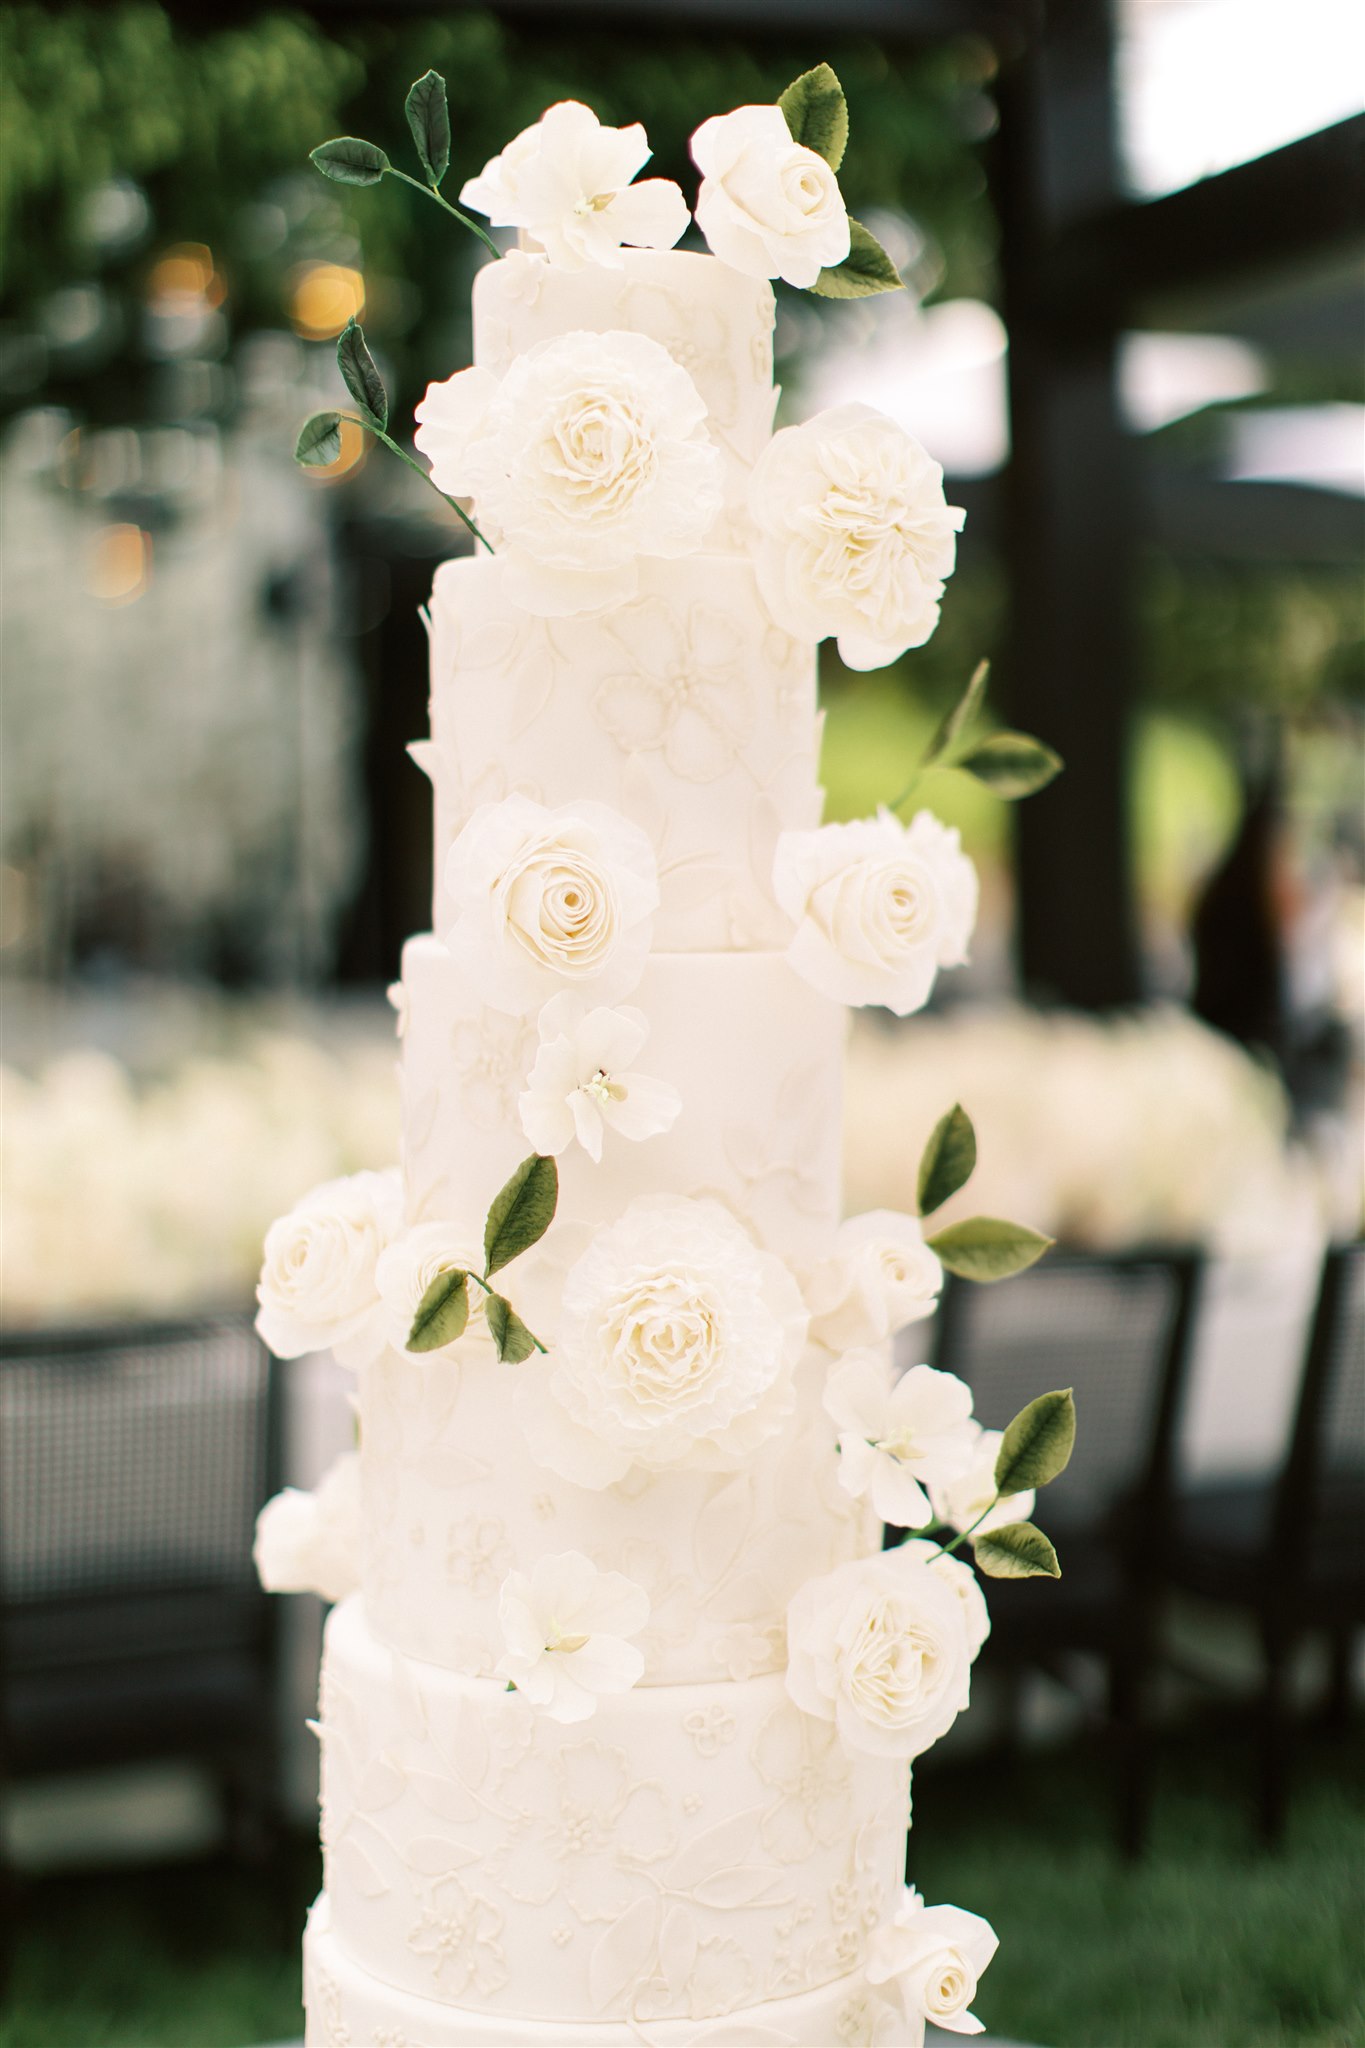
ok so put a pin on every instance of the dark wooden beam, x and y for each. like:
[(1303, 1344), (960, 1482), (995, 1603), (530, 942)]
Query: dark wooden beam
[(1006, 23)]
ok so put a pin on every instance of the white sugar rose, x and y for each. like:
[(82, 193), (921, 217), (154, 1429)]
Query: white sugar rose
[(934, 1956), (880, 1647), (898, 1437), (856, 538), (677, 1342), (310, 1542), (767, 206), (878, 906), (566, 1628), (542, 898), (965, 1501), (567, 183), (591, 453), (957, 1574), (879, 1276), (583, 1082), (409, 1265), (317, 1287)]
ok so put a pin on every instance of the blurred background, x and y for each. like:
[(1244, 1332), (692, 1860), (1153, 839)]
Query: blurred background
[(1132, 237)]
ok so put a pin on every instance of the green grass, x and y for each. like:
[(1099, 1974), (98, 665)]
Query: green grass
[(1209, 1943)]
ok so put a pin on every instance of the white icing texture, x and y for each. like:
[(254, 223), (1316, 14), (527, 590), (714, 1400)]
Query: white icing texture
[(690, 1852)]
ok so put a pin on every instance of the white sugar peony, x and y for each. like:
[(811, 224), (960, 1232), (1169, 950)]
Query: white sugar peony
[(591, 453), (407, 1268), (544, 897), (856, 538), (935, 1957), (878, 906), (677, 1342), (310, 1542), (957, 1574), (566, 1630), (879, 1276), (317, 1287), (583, 1082), (567, 183), (963, 1499), (767, 206), (880, 1647), (897, 1438)]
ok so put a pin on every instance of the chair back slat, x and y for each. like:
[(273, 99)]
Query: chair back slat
[(1320, 1497)]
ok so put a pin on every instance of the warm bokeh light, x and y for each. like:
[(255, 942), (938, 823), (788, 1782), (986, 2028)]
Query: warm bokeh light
[(186, 271), (324, 297), (120, 565), (353, 446)]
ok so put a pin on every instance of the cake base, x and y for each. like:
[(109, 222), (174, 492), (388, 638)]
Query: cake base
[(348, 2008)]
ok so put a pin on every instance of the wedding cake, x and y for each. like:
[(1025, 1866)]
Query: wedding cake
[(621, 1692)]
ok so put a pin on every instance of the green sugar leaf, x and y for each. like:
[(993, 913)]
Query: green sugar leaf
[(960, 717), (521, 1213), (866, 270), (319, 441), (817, 113), (509, 1333), (350, 161), (1038, 1443), (361, 374), (1018, 1551), (429, 119), (442, 1312), (948, 1160), (987, 1248), (1012, 764)]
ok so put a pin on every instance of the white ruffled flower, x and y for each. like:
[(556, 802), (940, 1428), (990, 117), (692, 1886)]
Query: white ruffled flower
[(544, 897), (567, 182), (879, 1276), (960, 1500), (317, 1287), (878, 906), (956, 1573), (897, 1438), (880, 1647), (935, 1956), (566, 1630), (310, 1542), (407, 1268), (583, 1083), (677, 1342), (768, 206), (856, 538), (590, 454)]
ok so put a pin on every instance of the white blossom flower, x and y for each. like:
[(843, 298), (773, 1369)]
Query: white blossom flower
[(896, 1438), (768, 206), (583, 1083), (677, 1342), (591, 453), (879, 907), (567, 182), (310, 1542), (317, 1287), (856, 538), (879, 1276), (935, 1956), (409, 1265), (958, 1574), (960, 1500), (566, 1630), (880, 1647), (544, 897)]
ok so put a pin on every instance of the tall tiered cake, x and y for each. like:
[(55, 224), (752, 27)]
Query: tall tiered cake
[(616, 1725)]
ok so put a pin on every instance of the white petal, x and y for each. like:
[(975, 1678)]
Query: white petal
[(646, 1108), (650, 215)]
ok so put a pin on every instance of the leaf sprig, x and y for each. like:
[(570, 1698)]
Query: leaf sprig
[(319, 442), (1034, 1450), (816, 112), (982, 1248), (520, 1214), (349, 160), (1009, 764)]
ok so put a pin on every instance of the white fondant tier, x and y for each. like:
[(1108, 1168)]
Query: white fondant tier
[(717, 323), (755, 1053), (348, 2008), (452, 1503), (689, 1852), (686, 709)]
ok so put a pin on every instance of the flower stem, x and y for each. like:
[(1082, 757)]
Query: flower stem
[(417, 470), (454, 211), (489, 1290), (989, 1508)]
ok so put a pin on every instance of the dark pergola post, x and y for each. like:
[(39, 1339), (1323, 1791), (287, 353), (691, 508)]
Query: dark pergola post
[(1071, 519)]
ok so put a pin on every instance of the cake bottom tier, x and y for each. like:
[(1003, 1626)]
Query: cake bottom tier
[(348, 2008)]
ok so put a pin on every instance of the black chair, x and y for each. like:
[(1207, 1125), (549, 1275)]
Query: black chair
[(133, 1462), (1116, 1329), (1288, 1548)]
